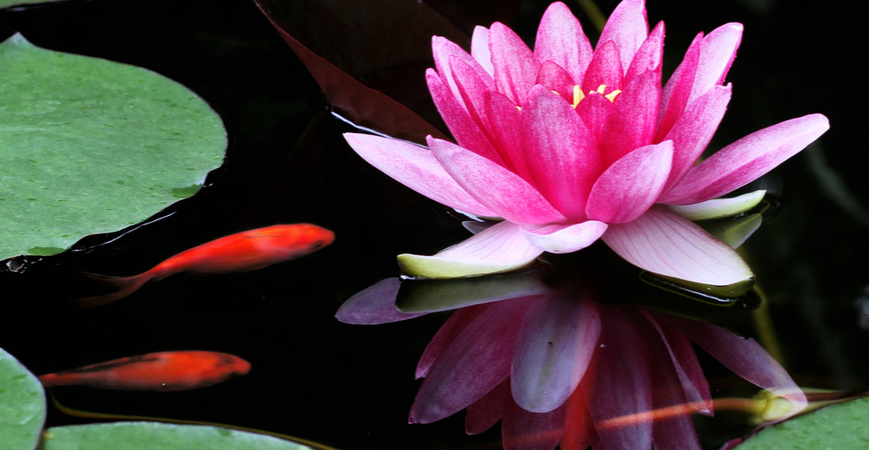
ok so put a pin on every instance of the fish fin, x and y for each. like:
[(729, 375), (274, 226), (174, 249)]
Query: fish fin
[(123, 286)]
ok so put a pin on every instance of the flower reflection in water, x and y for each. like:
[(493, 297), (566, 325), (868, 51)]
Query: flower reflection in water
[(558, 367)]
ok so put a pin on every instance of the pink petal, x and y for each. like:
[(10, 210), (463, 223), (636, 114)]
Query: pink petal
[(627, 27), (631, 185), (632, 120), (374, 305), (480, 48), (442, 51), (417, 168), (566, 238), (513, 63), (553, 349), (474, 92), (675, 94), (475, 363), (445, 336), (578, 423), (467, 132), (556, 79), (746, 159), (605, 69), (559, 152), (486, 412), (499, 248), (594, 110), (561, 40), (746, 358), (718, 50), (513, 198), (665, 243), (505, 122), (524, 430), (649, 55), (694, 130), (686, 364)]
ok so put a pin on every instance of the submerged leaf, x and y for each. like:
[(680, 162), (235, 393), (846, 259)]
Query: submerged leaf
[(92, 146)]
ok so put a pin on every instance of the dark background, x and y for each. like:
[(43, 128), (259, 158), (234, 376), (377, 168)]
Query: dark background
[(352, 386)]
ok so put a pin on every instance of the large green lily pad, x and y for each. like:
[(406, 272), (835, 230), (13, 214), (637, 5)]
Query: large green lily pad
[(92, 146), (159, 436), (22, 405), (841, 427)]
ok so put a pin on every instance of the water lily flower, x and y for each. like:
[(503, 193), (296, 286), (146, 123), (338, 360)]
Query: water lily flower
[(557, 368), (568, 144)]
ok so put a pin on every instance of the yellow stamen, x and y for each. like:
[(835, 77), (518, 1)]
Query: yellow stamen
[(613, 95), (578, 96), (601, 89)]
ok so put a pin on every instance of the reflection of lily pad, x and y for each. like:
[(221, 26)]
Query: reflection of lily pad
[(92, 146), (22, 405), (154, 436), (841, 427)]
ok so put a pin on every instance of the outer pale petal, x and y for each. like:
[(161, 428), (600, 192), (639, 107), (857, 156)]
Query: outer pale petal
[(631, 185), (566, 238), (665, 243), (480, 48), (475, 363), (553, 349), (514, 65), (560, 154), (627, 27), (561, 40), (417, 168), (497, 188), (718, 50), (374, 305), (747, 159), (720, 207), (499, 248)]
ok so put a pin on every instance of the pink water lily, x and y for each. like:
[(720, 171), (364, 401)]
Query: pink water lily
[(569, 144)]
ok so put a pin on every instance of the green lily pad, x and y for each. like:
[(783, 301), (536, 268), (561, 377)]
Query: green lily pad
[(22, 405), (92, 146), (841, 427), (154, 436)]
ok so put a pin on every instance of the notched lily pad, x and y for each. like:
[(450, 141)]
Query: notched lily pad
[(154, 436), (22, 405), (92, 146)]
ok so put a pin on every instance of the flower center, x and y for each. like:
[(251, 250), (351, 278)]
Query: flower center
[(578, 94)]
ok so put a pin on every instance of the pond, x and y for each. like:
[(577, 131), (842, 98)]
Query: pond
[(352, 386)]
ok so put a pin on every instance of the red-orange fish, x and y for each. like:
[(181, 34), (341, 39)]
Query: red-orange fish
[(162, 371), (240, 252)]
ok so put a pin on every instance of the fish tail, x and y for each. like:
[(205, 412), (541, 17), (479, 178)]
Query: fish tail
[(123, 287)]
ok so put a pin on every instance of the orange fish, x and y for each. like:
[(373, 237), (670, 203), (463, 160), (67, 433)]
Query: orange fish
[(240, 252), (163, 371)]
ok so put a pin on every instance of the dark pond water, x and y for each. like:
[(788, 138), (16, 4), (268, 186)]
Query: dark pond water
[(351, 386)]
